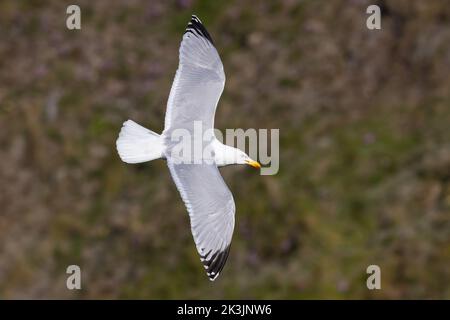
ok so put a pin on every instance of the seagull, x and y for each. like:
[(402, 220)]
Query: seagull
[(196, 90)]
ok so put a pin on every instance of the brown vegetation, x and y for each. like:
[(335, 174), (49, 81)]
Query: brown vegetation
[(364, 145)]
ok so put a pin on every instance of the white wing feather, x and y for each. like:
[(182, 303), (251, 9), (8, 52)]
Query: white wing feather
[(195, 92), (211, 210)]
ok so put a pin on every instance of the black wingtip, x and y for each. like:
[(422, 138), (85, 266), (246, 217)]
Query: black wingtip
[(216, 263), (195, 26)]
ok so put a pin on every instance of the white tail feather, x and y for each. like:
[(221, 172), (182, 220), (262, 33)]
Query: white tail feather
[(137, 144)]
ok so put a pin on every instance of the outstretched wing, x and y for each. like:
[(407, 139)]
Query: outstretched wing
[(211, 210), (198, 83), (197, 87)]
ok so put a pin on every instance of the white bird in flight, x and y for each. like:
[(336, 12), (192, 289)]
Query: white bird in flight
[(198, 84)]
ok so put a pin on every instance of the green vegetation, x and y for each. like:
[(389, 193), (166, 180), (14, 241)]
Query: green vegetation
[(364, 145)]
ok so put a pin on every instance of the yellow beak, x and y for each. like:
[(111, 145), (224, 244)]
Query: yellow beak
[(254, 164)]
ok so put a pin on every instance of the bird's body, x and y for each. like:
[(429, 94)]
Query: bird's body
[(198, 84)]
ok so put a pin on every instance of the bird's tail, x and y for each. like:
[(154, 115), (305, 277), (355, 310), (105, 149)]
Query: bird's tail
[(137, 144)]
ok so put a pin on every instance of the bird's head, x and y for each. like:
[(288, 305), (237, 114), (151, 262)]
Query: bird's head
[(243, 158)]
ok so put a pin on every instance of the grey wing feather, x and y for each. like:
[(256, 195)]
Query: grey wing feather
[(196, 90), (211, 210), (198, 83)]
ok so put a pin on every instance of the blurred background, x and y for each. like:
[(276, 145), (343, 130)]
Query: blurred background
[(364, 149)]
